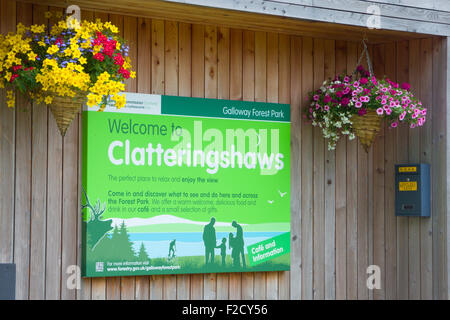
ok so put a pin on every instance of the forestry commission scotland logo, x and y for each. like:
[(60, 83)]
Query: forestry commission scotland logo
[(99, 266)]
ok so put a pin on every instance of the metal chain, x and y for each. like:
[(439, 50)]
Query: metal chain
[(369, 63)]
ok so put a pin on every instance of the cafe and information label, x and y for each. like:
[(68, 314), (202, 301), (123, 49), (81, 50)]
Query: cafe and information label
[(175, 185)]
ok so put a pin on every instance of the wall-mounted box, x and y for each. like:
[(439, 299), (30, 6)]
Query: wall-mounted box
[(7, 281), (412, 190)]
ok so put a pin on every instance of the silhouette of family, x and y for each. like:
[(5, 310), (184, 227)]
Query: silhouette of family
[(235, 244)]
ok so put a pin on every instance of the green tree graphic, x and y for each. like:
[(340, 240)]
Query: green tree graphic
[(143, 256)]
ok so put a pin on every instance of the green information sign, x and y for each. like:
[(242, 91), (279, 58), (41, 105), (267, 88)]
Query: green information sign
[(176, 185)]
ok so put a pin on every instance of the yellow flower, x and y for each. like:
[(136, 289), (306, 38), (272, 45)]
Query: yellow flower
[(32, 56), (83, 60), (48, 99), (37, 29), (58, 14), (133, 74), (48, 14), (53, 49), (41, 43)]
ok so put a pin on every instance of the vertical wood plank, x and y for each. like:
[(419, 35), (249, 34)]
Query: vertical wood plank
[(414, 157), (426, 225), (439, 164), (7, 154), (378, 187), (307, 175), (223, 92), (38, 193), (318, 184), (261, 96), (143, 65), (22, 220), (363, 214), (272, 96), (198, 90), (402, 157), (184, 89), (330, 190), (389, 191), (171, 88), (284, 96), (158, 81), (341, 191), (69, 207), (352, 200), (22, 205), (297, 99)]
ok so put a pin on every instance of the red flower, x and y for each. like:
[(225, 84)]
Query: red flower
[(14, 76), (125, 73), (118, 59), (99, 56), (15, 68)]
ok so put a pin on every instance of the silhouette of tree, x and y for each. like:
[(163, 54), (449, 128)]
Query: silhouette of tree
[(143, 256)]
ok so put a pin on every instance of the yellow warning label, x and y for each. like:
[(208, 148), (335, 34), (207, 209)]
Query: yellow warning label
[(407, 186), (407, 169)]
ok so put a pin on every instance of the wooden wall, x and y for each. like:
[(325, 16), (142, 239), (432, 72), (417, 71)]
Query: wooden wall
[(342, 202)]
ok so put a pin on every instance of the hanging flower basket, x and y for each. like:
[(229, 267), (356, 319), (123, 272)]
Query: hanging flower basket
[(64, 66), (355, 106), (366, 128), (65, 109)]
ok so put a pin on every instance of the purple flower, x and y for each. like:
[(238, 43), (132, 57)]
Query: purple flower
[(362, 111), (326, 99), (345, 101), (363, 81), (406, 86)]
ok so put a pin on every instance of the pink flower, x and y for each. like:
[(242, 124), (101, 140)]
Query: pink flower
[(383, 101), (363, 81), (346, 79), (358, 104), (402, 116), (412, 126), (362, 111), (345, 101), (406, 86), (380, 111), (326, 107), (388, 111), (316, 97), (326, 99), (356, 84), (394, 124), (424, 112)]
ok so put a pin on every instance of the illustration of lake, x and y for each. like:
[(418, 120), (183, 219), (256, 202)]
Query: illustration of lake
[(188, 243)]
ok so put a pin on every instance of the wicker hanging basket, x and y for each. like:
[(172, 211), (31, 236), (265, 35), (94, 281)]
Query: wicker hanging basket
[(366, 127), (64, 110)]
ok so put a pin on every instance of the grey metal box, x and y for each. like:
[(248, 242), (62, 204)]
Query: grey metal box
[(412, 190), (7, 281)]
